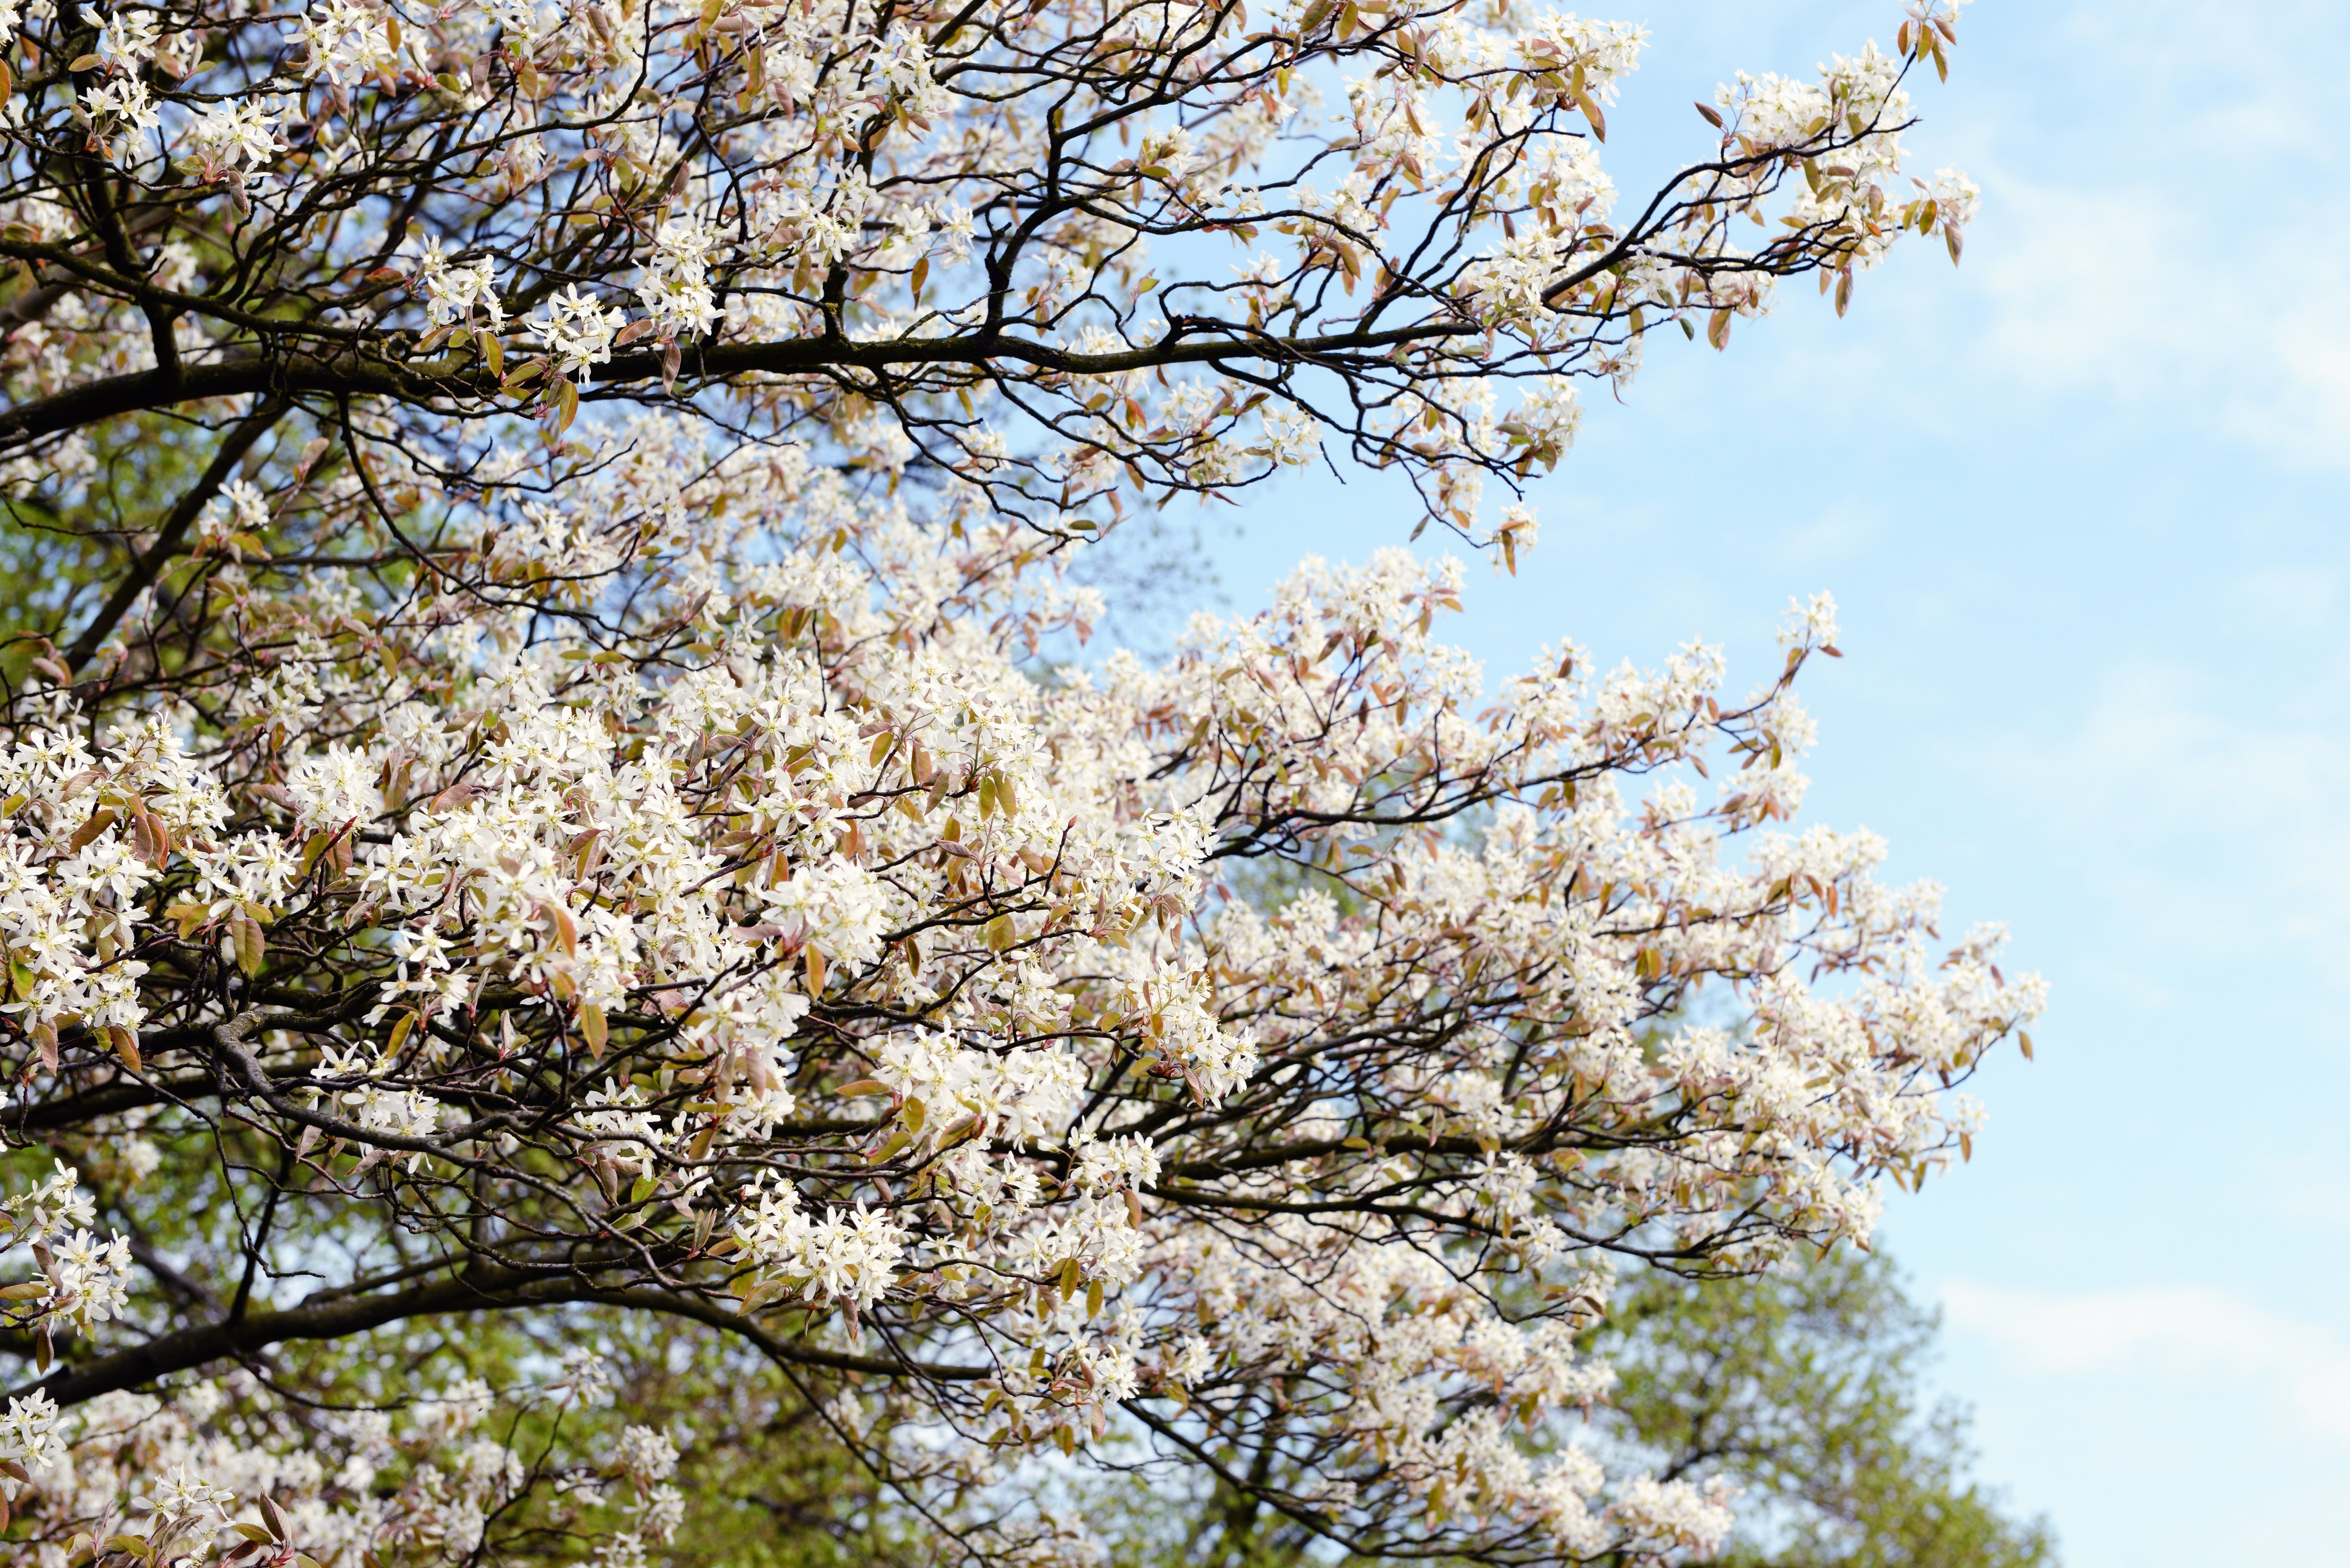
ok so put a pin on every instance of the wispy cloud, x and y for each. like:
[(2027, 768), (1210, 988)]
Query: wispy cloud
[(2167, 310), (2168, 1338), (2150, 230), (2180, 796)]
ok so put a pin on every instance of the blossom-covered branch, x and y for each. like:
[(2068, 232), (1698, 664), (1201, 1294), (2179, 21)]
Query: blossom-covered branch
[(578, 799), (1077, 255)]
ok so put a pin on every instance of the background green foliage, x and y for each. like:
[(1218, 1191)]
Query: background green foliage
[(1805, 1389), (64, 541)]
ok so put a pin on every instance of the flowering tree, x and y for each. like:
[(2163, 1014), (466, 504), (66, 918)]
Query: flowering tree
[(461, 875)]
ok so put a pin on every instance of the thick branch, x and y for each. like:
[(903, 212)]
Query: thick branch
[(351, 375), (498, 1290), (708, 1312), (193, 1347)]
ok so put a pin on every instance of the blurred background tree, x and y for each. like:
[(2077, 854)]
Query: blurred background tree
[(65, 541), (1805, 1390)]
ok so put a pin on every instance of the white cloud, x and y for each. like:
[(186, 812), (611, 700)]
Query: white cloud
[(2299, 600), (2143, 295), (2310, 1188), (2167, 1338), (2202, 814), (2149, 232)]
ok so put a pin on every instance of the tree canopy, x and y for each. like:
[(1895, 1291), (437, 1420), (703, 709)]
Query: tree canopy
[(542, 878), (1803, 1386)]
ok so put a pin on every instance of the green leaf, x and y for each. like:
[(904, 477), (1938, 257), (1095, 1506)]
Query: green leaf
[(515, 385), (246, 942)]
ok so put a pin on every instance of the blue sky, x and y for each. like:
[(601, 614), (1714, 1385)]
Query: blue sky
[(2081, 503)]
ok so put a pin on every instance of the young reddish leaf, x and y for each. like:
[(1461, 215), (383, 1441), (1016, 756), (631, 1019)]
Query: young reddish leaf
[(99, 820)]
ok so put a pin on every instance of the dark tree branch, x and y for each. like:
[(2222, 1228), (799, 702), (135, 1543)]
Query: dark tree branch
[(144, 572)]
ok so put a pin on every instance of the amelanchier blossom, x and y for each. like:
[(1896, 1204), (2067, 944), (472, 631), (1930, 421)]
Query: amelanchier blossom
[(1165, 247), (669, 861)]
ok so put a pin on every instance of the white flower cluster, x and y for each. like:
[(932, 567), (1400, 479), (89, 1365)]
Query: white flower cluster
[(764, 235), (229, 137), (676, 292), (84, 1281), (576, 332), (28, 1434), (346, 40), (895, 992), (453, 290), (838, 1256), (179, 1474)]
